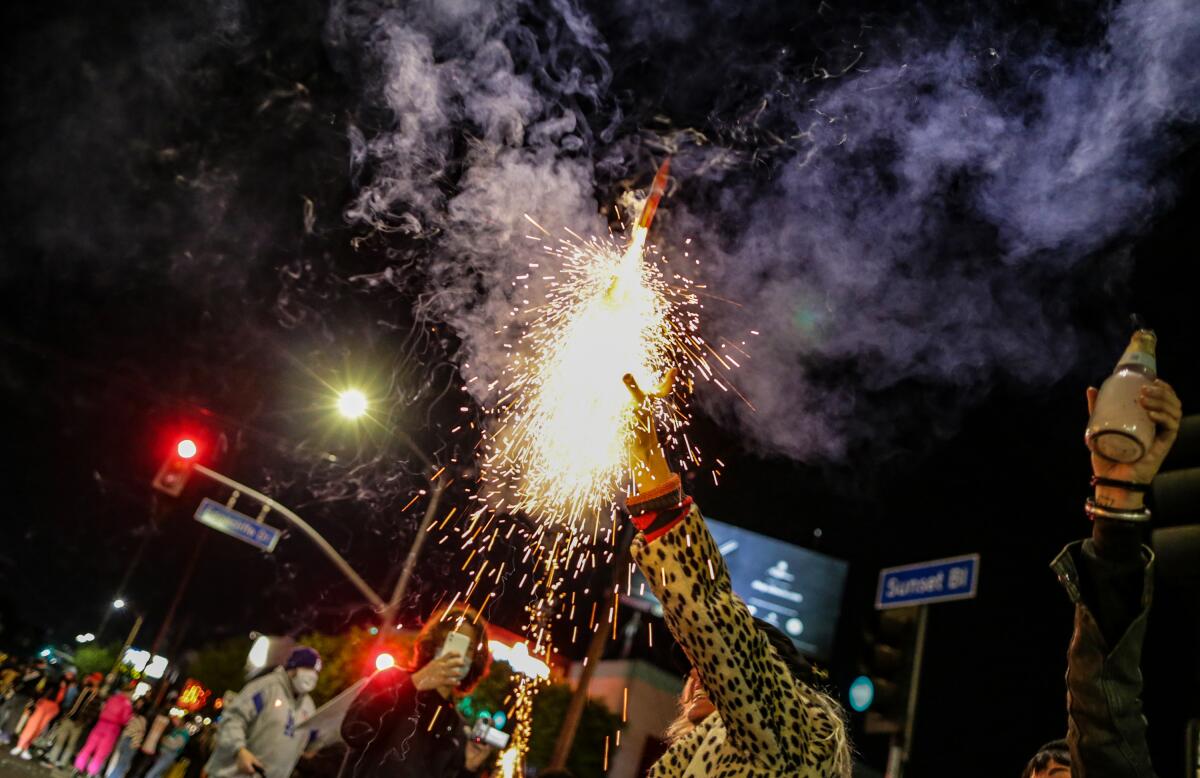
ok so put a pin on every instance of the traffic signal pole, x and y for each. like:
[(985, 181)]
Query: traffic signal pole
[(302, 525), (173, 475)]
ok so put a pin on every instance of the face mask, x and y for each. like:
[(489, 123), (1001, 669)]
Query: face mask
[(305, 680)]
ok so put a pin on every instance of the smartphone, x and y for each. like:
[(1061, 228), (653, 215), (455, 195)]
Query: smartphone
[(486, 733), (456, 643)]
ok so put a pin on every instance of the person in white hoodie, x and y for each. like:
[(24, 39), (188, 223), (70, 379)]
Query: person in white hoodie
[(262, 729)]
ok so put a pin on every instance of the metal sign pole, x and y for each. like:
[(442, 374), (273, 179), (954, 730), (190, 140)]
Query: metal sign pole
[(914, 688)]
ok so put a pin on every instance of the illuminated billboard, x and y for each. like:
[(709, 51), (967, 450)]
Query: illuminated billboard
[(797, 590)]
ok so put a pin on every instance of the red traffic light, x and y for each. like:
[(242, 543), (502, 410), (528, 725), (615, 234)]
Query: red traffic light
[(177, 467), (384, 661)]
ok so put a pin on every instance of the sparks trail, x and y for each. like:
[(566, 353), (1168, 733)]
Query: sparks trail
[(557, 446)]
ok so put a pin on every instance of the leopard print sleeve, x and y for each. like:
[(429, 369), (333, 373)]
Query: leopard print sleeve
[(772, 719)]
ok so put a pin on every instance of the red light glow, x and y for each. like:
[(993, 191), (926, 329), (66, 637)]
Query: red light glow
[(384, 661), (186, 448)]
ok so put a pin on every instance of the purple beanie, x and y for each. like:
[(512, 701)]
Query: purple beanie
[(303, 656)]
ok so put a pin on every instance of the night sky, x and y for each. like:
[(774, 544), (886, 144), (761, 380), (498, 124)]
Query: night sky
[(940, 219)]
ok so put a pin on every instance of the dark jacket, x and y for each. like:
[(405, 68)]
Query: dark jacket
[(1112, 593), (53, 691), (392, 731), (32, 684), (86, 709)]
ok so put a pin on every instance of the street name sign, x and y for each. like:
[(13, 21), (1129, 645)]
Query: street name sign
[(954, 578), (237, 525)]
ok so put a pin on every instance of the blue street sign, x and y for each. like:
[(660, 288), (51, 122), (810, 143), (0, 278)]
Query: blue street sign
[(937, 581), (237, 525)]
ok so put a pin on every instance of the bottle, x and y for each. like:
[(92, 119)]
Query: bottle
[(1120, 429)]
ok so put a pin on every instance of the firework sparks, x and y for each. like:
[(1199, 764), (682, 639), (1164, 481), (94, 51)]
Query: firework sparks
[(510, 759), (558, 452)]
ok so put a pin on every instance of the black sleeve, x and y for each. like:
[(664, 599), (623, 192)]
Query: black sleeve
[(1106, 725), (387, 697), (1111, 576)]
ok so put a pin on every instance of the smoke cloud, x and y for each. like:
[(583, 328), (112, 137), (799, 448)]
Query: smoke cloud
[(904, 222)]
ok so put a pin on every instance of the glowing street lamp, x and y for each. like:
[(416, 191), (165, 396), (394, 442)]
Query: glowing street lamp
[(352, 403), (260, 652), (118, 604)]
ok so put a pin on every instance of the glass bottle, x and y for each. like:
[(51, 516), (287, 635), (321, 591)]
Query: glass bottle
[(1120, 429)]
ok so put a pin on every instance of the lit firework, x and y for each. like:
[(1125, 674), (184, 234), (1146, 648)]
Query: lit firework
[(558, 452)]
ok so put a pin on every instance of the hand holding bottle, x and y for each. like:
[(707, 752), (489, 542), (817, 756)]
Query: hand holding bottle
[(1163, 407)]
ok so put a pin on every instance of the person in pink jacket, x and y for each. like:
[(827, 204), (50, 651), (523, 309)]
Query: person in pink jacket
[(115, 714)]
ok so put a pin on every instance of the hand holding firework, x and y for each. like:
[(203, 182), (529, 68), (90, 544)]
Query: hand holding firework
[(646, 458)]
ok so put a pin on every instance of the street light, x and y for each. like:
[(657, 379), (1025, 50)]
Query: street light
[(118, 604), (352, 403), (260, 651)]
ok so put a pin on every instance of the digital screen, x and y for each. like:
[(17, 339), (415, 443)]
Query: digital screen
[(795, 589)]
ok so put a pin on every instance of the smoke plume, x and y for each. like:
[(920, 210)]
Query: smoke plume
[(904, 219)]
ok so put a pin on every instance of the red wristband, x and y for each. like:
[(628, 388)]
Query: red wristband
[(655, 524)]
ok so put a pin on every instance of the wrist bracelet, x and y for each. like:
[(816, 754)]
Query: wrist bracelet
[(1137, 515), (1128, 486)]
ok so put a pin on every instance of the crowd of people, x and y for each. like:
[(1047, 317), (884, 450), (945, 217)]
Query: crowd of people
[(750, 706), (79, 724)]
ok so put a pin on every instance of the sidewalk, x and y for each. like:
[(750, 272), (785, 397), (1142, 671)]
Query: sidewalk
[(12, 767)]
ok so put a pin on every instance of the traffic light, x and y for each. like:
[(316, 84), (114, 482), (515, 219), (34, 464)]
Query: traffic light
[(176, 468), (384, 660), (889, 665), (1175, 491)]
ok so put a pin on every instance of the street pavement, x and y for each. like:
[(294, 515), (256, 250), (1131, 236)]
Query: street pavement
[(12, 767)]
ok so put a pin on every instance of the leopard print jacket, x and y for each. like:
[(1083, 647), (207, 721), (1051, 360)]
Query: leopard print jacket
[(767, 723)]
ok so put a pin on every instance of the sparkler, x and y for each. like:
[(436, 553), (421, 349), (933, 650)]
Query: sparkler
[(559, 450)]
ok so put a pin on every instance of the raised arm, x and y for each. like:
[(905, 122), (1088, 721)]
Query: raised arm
[(769, 716), (1108, 577)]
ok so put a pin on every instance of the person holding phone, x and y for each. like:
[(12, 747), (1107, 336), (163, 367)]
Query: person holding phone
[(404, 724)]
